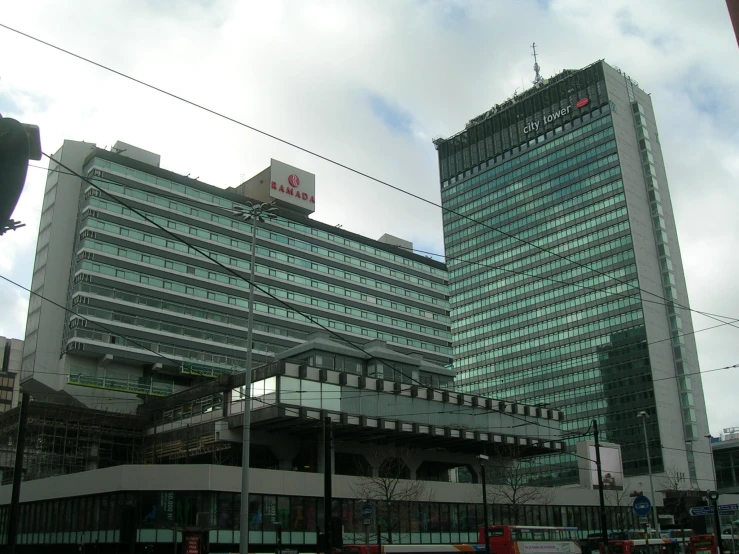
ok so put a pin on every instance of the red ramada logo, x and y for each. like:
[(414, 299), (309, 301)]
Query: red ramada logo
[(582, 102), (293, 180)]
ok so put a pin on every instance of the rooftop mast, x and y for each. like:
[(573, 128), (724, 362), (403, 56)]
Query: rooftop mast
[(538, 80)]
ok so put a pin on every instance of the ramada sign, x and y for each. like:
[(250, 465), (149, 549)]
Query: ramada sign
[(292, 190), (292, 185)]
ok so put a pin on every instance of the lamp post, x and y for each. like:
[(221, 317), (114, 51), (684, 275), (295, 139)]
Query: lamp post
[(254, 213), (483, 458), (644, 416), (713, 495), (713, 464)]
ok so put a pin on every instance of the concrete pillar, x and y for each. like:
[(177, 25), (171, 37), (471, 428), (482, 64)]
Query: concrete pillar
[(285, 452), (478, 472), (413, 465), (227, 403)]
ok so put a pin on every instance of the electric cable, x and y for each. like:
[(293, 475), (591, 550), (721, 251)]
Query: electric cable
[(323, 394), (490, 266), (722, 323), (482, 411), (547, 278), (525, 274), (239, 275), (338, 164), (104, 327)]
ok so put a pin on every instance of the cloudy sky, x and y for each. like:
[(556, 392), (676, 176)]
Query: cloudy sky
[(369, 83)]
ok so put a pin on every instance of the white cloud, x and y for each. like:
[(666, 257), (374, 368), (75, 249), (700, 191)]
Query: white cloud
[(303, 71)]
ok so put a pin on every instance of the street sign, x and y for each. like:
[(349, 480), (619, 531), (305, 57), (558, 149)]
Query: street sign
[(367, 511), (642, 506), (701, 511), (366, 521), (723, 509), (643, 520)]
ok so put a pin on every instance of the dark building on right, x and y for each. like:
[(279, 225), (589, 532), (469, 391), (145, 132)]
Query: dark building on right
[(566, 281), (733, 7)]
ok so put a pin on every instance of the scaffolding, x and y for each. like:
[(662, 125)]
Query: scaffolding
[(64, 439)]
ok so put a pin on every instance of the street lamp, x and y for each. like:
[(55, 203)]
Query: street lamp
[(713, 495), (713, 464), (644, 416), (483, 458), (254, 213)]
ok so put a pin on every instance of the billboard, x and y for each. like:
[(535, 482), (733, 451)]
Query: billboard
[(293, 186), (610, 463)]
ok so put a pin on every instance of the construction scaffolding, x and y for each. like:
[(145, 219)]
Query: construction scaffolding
[(63, 439)]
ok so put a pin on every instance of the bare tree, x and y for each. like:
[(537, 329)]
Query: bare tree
[(388, 486), (677, 490), (512, 481), (618, 498)]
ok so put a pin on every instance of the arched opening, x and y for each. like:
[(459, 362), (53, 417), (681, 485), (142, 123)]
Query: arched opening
[(351, 464), (394, 468)]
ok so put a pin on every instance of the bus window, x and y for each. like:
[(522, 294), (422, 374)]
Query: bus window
[(521, 534)]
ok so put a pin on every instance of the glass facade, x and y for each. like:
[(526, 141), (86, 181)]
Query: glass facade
[(727, 467), (99, 519), (166, 297), (545, 299)]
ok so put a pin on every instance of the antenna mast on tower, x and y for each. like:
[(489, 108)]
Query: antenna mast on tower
[(538, 78)]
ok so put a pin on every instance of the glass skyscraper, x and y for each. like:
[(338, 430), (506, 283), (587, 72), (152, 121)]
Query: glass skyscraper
[(557, 220)]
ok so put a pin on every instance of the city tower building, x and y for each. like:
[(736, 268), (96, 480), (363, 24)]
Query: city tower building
[(566, 281)]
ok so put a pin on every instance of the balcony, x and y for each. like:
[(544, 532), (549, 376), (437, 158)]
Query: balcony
[(131, 384)]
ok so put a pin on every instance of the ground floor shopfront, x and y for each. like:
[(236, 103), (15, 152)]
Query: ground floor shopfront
[(147, 506)]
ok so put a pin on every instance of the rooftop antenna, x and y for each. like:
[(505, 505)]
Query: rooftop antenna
[(538, 78)]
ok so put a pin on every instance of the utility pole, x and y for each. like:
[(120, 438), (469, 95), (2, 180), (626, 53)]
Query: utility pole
[(655, 520), (253, 214), (603, 522), (713, 496), (486, 521), (17, 475), (327, 493)]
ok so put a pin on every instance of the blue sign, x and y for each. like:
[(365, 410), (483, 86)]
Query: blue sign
[(642, 506), (701, 511), (367, 511), (723, 509)]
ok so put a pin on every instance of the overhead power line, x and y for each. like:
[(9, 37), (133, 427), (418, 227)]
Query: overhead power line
[(144, 216), (315, 154), (553, 280), (102, 326), (348, 168), (262, 289), (502, 269)]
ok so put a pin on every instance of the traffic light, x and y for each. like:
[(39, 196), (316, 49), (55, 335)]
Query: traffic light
[(18, 144)]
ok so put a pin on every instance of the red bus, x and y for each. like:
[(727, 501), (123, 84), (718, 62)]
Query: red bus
[(504, 539), (702, 544), (411, 548), (643, 546), (527, 539)]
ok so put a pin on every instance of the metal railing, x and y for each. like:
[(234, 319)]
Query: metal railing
[(131, 384), (203, 370)]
